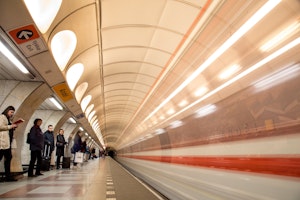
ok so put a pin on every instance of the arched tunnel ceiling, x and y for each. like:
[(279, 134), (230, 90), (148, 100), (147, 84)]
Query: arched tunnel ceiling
[(138, 39), (136, 53)]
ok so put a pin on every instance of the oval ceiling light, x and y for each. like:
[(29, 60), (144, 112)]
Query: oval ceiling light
[(63, 45), (89, 109), (93, 119), (43, 12), (91, 115), (95, 124), (80, 90), (74, 74), (85, 102)]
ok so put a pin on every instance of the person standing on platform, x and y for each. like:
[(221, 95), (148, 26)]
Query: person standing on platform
[(36, 141), (77, 146), (60, 147), (49, 140), (6, 135)]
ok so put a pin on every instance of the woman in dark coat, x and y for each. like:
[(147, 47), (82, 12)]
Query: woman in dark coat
[(60, 147)]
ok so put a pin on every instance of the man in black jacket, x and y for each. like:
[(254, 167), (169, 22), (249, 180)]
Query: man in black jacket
[(49, 140), (60, 147), (36, 137)]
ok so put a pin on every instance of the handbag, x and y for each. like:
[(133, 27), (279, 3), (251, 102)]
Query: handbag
[(78, 157)]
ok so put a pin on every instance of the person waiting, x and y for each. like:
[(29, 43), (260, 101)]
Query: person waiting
[(36, 141), (60, 147)]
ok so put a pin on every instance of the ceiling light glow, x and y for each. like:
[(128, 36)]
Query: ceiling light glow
[(201, 91), (80, 90), (73, 75), (72, 120), (7, 53), (229, 72), (208, 109), (170, 112), (244, 73), (63, 45), (43, 12), (55, 102), (183, 103), (176, 124), (277, 77), (85, 102), (91, 115), (159, 131), (89, 109)]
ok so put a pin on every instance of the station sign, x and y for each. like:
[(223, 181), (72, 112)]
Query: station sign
[(62, 90), (28, 40)]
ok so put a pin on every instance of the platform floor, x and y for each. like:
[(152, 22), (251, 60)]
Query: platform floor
[(98, 179)]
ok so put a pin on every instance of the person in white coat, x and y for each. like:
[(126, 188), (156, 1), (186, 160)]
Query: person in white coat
[(6, 134)]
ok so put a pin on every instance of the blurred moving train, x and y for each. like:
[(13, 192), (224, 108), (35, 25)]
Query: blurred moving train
[(198, 98)]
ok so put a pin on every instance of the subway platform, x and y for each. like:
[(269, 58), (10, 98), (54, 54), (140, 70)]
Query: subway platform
[(98, 179)]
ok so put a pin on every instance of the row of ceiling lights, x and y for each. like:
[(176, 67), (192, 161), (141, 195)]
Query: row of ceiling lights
[(63, 44)]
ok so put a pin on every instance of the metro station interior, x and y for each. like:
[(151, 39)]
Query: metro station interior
[(182, 99)]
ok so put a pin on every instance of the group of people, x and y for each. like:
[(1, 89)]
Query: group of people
[(42, 145), (39, 142)]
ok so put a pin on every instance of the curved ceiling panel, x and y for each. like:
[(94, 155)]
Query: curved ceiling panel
[(92, 70), (143, 59), (83, 23)]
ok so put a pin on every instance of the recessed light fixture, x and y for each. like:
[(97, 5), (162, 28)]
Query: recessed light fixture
[(55, 102), (8, 54), (72, 120)]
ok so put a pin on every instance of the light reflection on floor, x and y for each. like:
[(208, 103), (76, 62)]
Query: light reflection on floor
[(59, 184)]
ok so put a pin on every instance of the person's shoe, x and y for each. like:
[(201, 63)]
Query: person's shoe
[(31, 175), (39, 174)]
